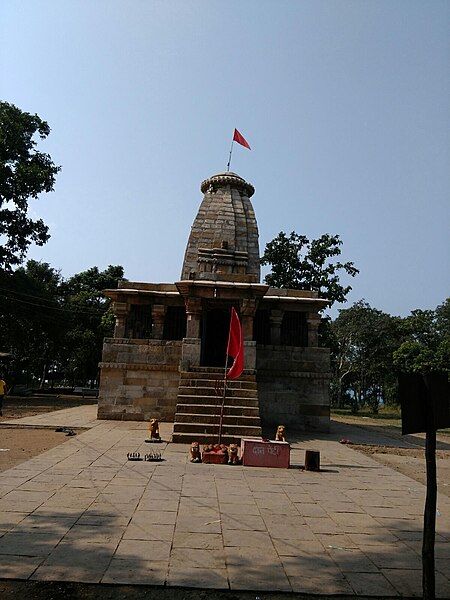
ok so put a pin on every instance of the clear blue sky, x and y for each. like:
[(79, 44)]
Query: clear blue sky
[(345, 105)]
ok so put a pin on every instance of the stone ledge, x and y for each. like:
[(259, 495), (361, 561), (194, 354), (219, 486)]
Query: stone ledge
[(141, 342), (270, 373), (137, 367)]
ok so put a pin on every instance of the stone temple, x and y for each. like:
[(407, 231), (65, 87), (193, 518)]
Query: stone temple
[(167, 357)]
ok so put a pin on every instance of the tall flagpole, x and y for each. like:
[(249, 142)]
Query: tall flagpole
[(224, 383), (229, 158)]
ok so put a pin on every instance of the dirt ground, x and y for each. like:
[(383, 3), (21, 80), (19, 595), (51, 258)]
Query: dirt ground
[(411, 460), (16, 408), (47, 590), (17, 412), (20, 444)]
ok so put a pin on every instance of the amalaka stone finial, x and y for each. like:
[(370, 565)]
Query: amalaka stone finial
[(223, 179)]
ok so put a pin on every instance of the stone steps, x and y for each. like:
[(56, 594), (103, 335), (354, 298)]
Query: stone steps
[(217, 400), (201, 390), (211, 409), (216, 376), (199, 404), (214, 419), (201, 429)]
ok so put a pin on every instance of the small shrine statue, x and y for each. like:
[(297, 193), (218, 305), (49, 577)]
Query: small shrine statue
[(233, 456), (153, 428), (280, 435), (195, 453)]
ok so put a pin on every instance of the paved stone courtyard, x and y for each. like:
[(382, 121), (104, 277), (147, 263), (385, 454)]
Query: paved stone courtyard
[(82, 512)]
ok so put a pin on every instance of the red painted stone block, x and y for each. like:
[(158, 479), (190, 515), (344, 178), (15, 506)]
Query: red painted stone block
[(260, 453), (216, 457)]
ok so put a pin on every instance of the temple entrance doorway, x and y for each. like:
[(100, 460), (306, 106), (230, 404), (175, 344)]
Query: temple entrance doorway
[(214, 336)]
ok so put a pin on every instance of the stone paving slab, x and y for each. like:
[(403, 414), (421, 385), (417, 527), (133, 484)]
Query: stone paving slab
[(82, 512)]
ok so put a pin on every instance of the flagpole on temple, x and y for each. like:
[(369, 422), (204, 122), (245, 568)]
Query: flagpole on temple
[(240, 139), (229, 158), (225, 371)]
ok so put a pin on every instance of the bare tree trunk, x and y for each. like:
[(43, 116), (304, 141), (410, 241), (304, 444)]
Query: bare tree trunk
[(44, 376)]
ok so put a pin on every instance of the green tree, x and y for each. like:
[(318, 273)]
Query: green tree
[(414, 357), (24, 174), (365, 339), (32, 319), (299, 263), (54, 326), (426, 346), (90, 319)]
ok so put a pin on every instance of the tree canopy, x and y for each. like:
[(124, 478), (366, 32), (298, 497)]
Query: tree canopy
[(54, 327), (25, 173), (369, 348), (427, 341), (299, 263)]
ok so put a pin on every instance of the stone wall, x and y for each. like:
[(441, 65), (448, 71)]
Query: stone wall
[(139, 379), (293, 386)]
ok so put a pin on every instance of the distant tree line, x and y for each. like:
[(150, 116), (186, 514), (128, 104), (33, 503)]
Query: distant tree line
[(370, 347), (52, 327)]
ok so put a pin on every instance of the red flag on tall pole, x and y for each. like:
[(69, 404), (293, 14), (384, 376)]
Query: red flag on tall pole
[(235, 347), (240, 139)]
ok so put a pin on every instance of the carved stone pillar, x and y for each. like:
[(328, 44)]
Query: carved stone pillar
[(313, 321), (276, 318), (193, 312), (248, 309), (158, 314), (249, 355), (120, 310)]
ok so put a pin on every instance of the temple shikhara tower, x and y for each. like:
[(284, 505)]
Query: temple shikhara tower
[(167, 357)]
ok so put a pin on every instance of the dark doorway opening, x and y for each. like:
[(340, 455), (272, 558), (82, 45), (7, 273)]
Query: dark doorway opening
[(214, 334), (261, 327), (175, 323)]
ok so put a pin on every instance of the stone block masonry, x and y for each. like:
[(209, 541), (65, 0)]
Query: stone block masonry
[(293, 386), (139, 379)]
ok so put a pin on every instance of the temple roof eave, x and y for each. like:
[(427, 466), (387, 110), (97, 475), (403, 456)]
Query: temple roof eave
[(305, 300), (118, 294), (203, 287)]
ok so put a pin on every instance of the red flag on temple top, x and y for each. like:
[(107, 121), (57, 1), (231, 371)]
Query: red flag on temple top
[(240, 139), (235, 347)]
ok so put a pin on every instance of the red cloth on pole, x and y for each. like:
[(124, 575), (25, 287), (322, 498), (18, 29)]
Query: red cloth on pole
[(235, 347), (240, 139)]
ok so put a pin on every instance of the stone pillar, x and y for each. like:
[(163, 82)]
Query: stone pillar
[(194, 313), (276, 318), (313, 321), (249, 355), (191, 347), (158, 314), (120, 310), (248, 309)]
